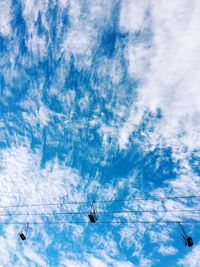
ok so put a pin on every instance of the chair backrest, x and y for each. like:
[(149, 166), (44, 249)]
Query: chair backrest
[(92, 218), (189, 241), (22, 236)]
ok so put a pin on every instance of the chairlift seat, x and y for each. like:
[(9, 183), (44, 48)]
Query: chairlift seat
[(189, 241), (22, 236), (92, 218)]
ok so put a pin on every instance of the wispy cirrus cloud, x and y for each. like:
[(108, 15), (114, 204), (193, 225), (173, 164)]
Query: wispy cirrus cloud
[(148, 53), (170, 82), (21, 175)]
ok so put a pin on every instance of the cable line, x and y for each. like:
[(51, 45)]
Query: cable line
[(101, 222), (99, 212), (98, 201)]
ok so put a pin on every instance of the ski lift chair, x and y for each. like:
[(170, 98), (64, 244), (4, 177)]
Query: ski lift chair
[(23, 233), (187, 240), (93, 216)]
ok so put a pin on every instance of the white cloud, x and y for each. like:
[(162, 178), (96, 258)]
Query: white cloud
[(82, 35), (163, 235), (14, 253), (34, 257), (138, 57), (5, 18), (96, 262), (131, 237), (71, 263), (64, 3), (146, 262), (75, 12), (99, 11), (99, 259), (36, 44), (21, 175), (82, 46), (105, 243), (36, 116), (167, 250), (192, 259), (132, 15), (171, 82)]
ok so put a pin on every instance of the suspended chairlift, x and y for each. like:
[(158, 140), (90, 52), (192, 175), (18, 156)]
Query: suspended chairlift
[(23, 233), (187, 240), (93, 216)]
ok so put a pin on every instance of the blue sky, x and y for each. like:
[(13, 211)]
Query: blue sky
[(99, 100)]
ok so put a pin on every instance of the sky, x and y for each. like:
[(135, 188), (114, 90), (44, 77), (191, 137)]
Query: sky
[(99, 100)]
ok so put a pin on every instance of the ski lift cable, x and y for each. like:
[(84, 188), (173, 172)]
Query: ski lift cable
[(99, 201), (99, 212), (100, 222)]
